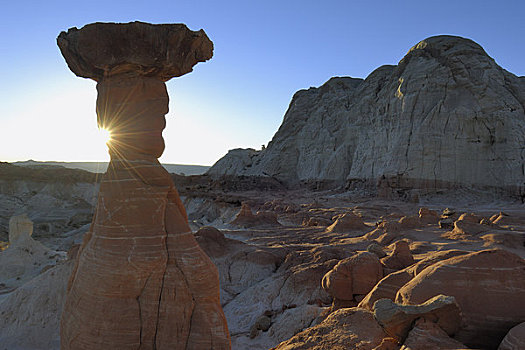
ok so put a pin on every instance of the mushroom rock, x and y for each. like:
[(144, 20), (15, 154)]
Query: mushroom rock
[(140, 279), (489, 287)]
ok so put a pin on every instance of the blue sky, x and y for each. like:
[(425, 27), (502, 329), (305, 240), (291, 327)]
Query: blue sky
[(264, 52)]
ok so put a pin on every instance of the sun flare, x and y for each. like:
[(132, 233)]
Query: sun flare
[(104, 135)]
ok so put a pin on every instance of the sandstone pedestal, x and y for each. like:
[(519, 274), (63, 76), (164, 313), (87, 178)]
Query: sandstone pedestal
[(141, 281)]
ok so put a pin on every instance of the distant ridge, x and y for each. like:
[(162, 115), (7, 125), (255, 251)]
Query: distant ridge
[(100, 167)]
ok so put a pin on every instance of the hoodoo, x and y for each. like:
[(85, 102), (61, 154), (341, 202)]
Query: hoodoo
[(140, 281)]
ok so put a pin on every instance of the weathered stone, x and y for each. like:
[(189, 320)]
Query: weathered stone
[(140, 273), (397, 319), (400, 257), (376, 249), (20, 228), (347, 222), (163, 51), (246, 218), (515, 338), (489, 287), (390, 285), (355, 275), (427, 335), (343, 329), (428, 216), (413, 125)]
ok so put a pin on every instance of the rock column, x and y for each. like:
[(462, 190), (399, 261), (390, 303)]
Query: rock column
[(141, 281)]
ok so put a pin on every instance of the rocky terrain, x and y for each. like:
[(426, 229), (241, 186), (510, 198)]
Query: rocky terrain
[(387, 213), (302, 269), (446, 116)]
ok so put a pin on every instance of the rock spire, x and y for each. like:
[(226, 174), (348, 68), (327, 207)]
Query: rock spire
[(140, 280)]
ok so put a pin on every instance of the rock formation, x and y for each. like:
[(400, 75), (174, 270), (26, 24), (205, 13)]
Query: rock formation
[(446, 115), (352, 276), (515, 338), (397, 319), (348, 328), (489, 287), (25, 258), (140, 280)]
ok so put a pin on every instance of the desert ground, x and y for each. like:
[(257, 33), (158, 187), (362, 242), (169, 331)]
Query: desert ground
[(294, 264)]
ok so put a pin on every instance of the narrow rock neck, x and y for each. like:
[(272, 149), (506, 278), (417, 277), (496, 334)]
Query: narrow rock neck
[(132, 109)]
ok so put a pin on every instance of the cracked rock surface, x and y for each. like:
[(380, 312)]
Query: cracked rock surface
[(446, 115)]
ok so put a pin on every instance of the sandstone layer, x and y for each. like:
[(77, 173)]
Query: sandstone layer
[(141, 281), (447, 115)]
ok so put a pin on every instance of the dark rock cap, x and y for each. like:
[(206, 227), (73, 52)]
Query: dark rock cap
[(164, 51)]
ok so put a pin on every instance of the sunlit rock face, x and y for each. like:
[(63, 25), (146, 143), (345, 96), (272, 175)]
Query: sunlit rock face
[(141, 281), (446, 115)]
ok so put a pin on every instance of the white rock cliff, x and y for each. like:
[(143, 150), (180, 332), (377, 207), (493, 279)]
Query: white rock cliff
[(446, 115)]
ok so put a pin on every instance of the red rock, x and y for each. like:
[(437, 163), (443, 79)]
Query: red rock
[(355, 275), (428, 216), (140, 280), (390, 285), (427, 335), (465, 226), (400, 256), (489, 287), (351, 328), (246, 218), (409, 222), (347, 222), (515, 338)]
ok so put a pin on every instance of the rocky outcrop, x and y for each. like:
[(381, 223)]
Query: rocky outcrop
[(428, 335), (352, 276), (489, 287), (515, 338), (246, 218), (25, 258), (446, 115), (348, 328), (400, 257), (397, 319), (140, 280)]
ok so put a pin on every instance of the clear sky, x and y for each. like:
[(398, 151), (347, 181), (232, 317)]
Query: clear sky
[(264, 52)]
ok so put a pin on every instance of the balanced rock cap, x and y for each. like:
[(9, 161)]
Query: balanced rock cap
[(164, 51)]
